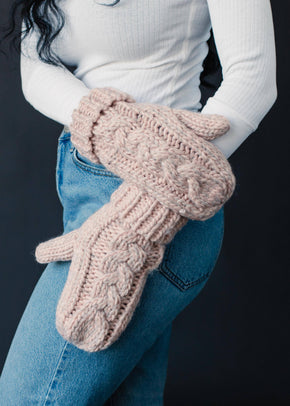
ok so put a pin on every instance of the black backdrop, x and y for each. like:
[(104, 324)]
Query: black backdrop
[(230, 346)]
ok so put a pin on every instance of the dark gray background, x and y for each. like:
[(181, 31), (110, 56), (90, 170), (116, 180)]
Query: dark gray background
[(230, 346)]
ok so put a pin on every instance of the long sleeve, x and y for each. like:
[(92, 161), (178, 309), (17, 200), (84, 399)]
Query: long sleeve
[(169, 72), (244, 37), (53, 91)]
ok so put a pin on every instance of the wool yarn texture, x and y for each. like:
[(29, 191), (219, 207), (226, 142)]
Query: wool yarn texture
[(164, 151), (171, 174)]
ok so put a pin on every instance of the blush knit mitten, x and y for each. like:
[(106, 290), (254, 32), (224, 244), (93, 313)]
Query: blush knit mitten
[(163, 151), (111, 255), (171, 174)]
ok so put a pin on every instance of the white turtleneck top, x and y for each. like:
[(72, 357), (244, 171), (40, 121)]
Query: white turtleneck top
[(154, 50)]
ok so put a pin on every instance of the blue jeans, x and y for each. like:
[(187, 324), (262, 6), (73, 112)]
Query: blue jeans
[(42, 368)]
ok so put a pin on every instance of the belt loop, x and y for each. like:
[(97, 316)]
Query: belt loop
[(66, 129)]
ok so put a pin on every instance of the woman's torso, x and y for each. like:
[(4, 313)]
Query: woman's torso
[(151, 49)]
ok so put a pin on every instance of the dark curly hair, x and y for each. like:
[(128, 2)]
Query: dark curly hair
[(50, 19)]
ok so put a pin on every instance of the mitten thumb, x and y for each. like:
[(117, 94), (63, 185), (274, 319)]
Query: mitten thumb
[(57, 249), (207, 126)]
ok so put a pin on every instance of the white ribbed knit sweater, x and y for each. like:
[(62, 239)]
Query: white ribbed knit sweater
[(153, 50)]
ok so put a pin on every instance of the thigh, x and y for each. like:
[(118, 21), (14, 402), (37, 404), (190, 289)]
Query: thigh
[(41, 367), (37, 352), (146, 382)]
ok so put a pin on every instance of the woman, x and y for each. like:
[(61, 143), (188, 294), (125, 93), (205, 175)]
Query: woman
[(154, 51)]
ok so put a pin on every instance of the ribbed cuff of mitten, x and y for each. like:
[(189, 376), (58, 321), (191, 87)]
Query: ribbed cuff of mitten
[(88, 112), (143, 214)]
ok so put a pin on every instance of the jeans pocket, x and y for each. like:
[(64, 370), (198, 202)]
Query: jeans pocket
[(192, 254), (96, 168)]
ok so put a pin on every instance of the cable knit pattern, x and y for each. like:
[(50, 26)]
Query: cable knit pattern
[(112, 253), (162, 150), (171, 173)]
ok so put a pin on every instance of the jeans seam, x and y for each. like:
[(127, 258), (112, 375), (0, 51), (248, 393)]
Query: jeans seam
[(53, 379), (58, 170), (183, 286), (91, 170), (64, 138)]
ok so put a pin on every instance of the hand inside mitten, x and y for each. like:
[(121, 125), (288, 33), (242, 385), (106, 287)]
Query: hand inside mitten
[(111, 255), (165, 151)]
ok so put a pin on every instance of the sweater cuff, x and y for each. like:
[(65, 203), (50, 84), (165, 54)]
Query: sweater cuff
[(239, 130)]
